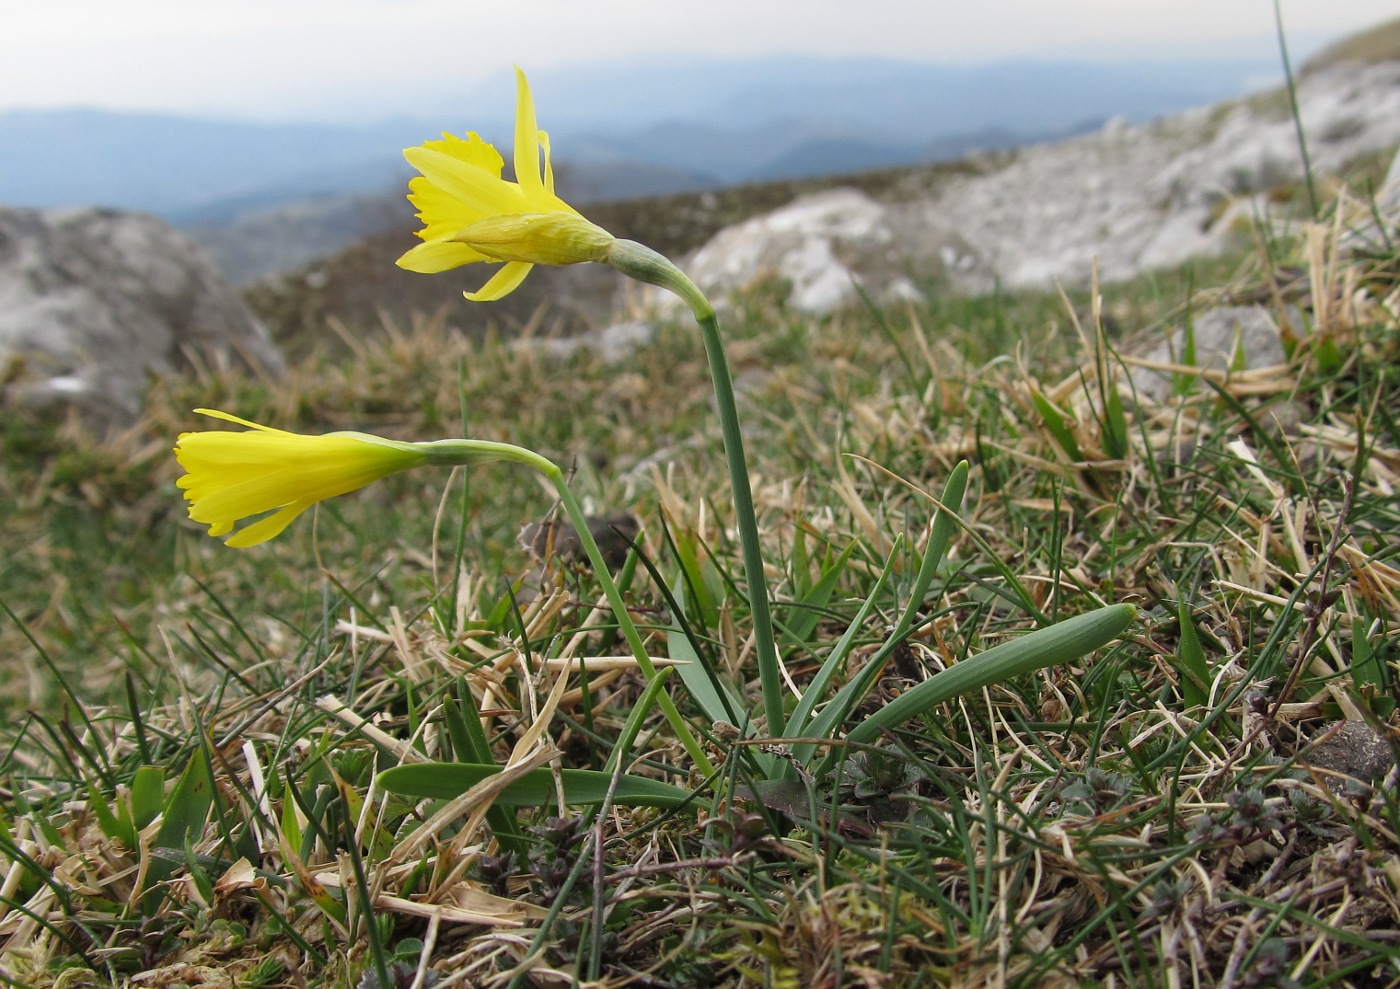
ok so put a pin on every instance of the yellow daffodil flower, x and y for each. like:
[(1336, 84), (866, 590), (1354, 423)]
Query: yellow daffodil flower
[(231, 476), (471, 214)]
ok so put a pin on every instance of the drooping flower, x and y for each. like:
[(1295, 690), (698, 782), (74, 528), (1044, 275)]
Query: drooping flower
[(230, 476), (470, 213)]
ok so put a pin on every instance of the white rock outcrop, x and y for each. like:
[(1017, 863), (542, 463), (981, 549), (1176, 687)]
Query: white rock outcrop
[(1138, 198), (829, 247), (95, 302), (1222, 338)]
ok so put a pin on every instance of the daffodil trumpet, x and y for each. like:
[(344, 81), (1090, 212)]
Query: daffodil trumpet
[(232, 476)]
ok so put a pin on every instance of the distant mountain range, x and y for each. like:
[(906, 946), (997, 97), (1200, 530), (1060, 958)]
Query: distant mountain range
[(696, 123)]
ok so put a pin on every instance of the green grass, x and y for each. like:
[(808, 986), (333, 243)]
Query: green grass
[(194, 732)]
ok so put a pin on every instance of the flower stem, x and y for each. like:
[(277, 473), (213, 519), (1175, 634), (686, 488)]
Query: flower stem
[(747, 520), (461, 452), (624, 619), (646, 265)]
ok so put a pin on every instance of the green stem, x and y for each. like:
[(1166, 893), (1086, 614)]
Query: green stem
[(646, 265), (747, 520), (457, 452), (624, 619)]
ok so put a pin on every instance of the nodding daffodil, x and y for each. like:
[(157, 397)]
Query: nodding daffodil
[(230, 476), (470, 213)]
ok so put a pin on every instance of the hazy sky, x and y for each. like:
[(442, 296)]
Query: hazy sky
[(299, 59)]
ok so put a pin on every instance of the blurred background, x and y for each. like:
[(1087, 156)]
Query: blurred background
[(279, 124)]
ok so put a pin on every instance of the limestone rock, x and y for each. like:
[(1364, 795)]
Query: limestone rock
[(94, 302), (1220, 335), (1150, 196), (1379, 231), (828, 247), (1390, 187)]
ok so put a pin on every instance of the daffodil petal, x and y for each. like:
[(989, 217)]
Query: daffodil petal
[(429, 259), (471, 214), (442, 213), (478, 190), (502, 283), (283, 476), (527, 138), (472, 150), (538, 238), (235, 475), (229, 417), (548, 165), (264, 529)]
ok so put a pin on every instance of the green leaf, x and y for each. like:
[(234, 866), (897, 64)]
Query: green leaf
[(1055, 421), (446, 780), (188, 806), (116, 826), (1194, 670), (1369, 672), (1238, 355), (147, 795), (797, 566), (715, 697), (463, 740), (469, 744), (815, 690), (289, 825), (945, 523), (1060, 643), (941, 530), (1366, 669), (623, 746), (697, 596), (469, 741), (803, 615), (1115, 424), (1182, 383), (185, 812)]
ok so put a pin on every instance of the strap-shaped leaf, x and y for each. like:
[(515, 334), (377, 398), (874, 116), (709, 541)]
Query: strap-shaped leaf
[(715, 697), (445, 780), (1060, 643)]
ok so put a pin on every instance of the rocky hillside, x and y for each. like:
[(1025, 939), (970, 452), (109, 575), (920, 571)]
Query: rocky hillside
[(1133, 197), (361, 286)]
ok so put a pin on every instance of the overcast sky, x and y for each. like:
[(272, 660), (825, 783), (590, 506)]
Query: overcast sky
[(304, 59)]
